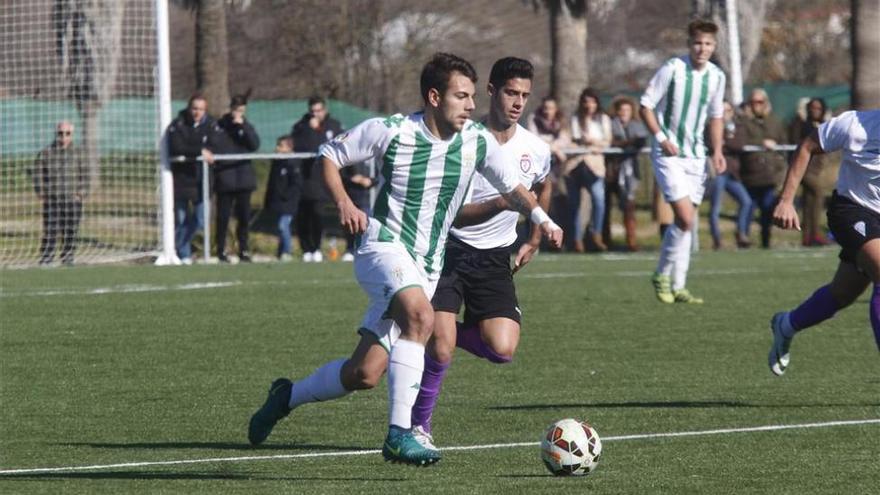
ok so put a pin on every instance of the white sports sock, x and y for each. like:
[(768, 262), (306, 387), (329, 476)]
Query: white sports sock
[(323, 384), (405, 366), (682, 260), (668, 249)]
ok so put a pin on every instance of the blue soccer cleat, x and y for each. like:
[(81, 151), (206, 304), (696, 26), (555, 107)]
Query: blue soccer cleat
[(402, 447), (273, 410)]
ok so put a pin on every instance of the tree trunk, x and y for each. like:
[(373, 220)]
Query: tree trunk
[(212, 55), (568, 40), (866, 54)]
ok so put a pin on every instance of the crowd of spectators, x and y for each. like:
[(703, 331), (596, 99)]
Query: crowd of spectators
[(589, 183)]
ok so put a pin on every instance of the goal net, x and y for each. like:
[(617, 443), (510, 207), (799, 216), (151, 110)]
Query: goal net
[(79, 127)]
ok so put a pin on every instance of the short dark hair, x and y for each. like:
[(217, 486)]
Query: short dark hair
[(285, 137), (314, 100), (702, 26), (508, 68), (195, 96), (436, 73)]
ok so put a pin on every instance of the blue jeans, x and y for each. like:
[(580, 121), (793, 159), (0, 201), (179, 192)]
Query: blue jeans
[(189, 218), (739, 193), (764, 198), (285, 239), (583, 177)]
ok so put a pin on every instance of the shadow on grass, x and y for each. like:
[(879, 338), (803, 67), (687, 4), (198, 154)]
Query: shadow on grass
[(212, 446), (698, 404), (159, 476)]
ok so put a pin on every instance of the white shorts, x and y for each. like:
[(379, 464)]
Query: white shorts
[(383, 269), (680, 177)]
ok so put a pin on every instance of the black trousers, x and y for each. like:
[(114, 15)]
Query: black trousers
[(309, 226), (61, 218), (242, 201)]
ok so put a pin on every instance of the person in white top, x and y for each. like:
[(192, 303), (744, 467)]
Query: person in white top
[(476, 270), (853, 217), (680, 97), (428, 160), (591, 129)]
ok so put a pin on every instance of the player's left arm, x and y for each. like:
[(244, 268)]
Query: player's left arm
[(544, 191), (785, 215), (716, 136), (477, 213), (521, 200)]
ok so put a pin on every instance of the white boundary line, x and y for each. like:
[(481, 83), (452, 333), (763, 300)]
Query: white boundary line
[(640, 436)]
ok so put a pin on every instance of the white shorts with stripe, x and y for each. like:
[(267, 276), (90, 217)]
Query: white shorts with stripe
[(679, 177), (383, 269)]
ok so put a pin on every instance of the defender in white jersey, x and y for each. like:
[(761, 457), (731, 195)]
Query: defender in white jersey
[(680, 97), (853, 217), (428, 160), (477, 271)]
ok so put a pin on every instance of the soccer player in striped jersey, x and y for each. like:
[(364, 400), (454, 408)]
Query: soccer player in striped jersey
[(685, 92), (477, 271), (428, 160), (853, 217)]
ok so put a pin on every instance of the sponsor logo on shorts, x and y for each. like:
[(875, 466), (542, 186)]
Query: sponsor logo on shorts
[(860, 228)]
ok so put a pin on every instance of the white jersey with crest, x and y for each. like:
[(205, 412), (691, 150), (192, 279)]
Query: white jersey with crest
[(682, 98), (423, 179), (857, 135), (528, 156)]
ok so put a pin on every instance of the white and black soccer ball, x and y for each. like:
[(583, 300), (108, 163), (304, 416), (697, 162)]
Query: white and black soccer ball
[(571, 448)]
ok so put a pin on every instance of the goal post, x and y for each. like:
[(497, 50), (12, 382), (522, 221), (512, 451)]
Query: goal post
[(83, 100)]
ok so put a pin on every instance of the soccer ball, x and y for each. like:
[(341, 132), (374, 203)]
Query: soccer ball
[(570, 448)]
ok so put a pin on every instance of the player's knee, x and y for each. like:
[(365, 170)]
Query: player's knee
[(421, 320), (361, 377), (684, 223)]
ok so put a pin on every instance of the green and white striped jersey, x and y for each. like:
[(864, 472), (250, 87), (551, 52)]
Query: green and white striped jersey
[(682, 98), (423, 179)]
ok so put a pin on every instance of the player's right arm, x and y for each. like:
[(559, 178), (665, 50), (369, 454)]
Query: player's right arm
[(654, 93), (365, 141)]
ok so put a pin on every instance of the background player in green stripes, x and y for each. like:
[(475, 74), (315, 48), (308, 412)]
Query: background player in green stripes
[(679, 98), (428, 160)]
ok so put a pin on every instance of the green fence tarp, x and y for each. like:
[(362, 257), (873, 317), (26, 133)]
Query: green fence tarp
[(130, 125)]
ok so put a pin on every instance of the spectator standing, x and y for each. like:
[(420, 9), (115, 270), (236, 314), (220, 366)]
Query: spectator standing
[(283, 193), (234, 181), (814, 114), (61, 182), (314, 129), (358, 179), (730, 182), (622, 175), (762, 171), (191, 135), (590, 128)]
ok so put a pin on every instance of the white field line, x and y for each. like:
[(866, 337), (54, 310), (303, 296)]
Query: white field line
[(122, 289), (639, 436)]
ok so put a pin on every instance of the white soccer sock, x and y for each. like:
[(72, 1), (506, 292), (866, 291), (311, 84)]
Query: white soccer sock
[(323, 384), (668, 249), (405, 366), (682, 260)]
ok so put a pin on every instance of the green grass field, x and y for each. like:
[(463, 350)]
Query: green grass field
[(120, 367)]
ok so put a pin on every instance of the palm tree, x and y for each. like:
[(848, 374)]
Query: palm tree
[(88, 45), (569, 72), (212, 51), (866, 53)]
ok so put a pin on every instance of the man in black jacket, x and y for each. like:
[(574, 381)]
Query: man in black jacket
[(61, 181), (192, 134), (313, 129), (234, 181)]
